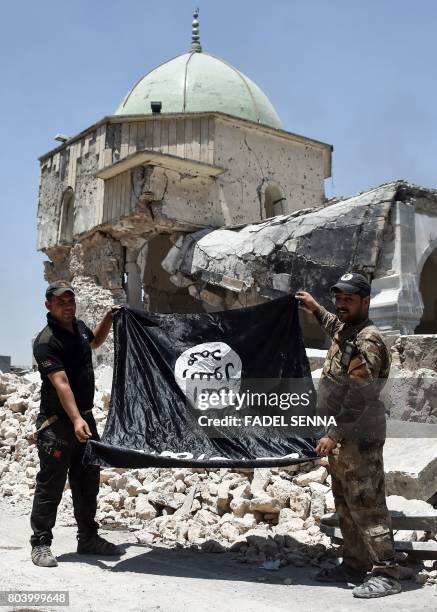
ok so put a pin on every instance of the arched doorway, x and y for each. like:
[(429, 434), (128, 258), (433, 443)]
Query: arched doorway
[(273, 201), (160, 294), (428, 289), (66, 222)]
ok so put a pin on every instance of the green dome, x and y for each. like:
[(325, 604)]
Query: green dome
[(199, 82)]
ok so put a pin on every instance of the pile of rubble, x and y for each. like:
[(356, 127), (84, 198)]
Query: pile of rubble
[(264, 515), (411, 391)]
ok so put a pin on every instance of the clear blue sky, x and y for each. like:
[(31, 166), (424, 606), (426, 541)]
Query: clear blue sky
[(359, 75)]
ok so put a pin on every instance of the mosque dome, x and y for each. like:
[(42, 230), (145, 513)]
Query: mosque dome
[(198, 82)]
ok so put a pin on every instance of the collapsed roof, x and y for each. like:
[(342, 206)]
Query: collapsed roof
[(308, 249)]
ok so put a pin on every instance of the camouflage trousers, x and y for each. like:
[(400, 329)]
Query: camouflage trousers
[(358, 486)]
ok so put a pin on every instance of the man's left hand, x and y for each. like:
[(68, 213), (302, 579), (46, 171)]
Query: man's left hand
[(111, 312), (325, 446)]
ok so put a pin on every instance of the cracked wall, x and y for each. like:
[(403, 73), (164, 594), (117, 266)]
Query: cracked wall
[(255, 160)]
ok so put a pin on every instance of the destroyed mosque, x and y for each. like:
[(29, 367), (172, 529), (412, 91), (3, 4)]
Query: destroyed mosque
[(193, 197)]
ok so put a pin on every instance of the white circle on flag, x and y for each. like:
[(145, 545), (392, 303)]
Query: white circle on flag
[(206, 370)]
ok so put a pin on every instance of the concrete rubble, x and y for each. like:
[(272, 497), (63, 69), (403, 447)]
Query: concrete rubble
[(411, 465), (260, 515), (411, 392), (387, 233), (284, 253)]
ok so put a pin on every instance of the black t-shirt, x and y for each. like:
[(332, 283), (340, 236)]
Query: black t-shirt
[(56, 349)]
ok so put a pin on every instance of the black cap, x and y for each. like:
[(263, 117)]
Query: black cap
[(58, 288), (352, 282)]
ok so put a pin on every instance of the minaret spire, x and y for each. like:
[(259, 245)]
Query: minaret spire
[(195, 38)]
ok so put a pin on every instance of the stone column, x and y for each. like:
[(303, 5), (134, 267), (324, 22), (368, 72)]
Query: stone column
[(134, 283), (396, 304)]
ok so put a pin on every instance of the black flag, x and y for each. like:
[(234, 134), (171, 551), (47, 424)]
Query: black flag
[(208, 390)]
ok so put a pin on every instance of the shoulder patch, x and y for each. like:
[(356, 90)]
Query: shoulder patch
[(44, 336)]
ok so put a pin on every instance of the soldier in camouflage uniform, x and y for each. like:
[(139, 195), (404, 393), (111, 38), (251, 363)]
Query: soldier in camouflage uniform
[(355, 370)]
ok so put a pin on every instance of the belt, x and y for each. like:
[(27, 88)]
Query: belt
[(51, 420)]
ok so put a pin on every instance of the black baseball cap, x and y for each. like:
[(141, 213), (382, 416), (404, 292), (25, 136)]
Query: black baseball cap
[(58, 288), (352, 282)]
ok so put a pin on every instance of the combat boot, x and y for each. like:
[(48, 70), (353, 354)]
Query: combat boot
[(377, 585), (43, 556)]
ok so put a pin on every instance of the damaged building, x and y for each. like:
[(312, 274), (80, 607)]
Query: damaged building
[(192, 197)]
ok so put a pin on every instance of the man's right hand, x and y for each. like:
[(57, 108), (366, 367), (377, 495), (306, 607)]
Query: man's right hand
[(306, 300), (81, 429)]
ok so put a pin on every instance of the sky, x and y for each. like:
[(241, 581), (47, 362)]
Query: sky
[(361, 76)]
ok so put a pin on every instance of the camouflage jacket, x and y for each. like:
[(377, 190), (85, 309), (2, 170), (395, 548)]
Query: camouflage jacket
[(351, 394)]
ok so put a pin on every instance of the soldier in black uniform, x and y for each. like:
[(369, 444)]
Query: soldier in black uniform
[(65, 422), (356, 368)]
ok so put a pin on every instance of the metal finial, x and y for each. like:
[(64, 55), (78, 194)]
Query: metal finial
[(195, 38)]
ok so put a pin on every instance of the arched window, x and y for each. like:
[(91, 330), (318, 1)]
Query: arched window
[(66, 222), (428, 289), (273, 201)]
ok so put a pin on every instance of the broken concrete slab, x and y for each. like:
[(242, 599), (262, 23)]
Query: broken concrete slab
[(323, 243), (411, 463)]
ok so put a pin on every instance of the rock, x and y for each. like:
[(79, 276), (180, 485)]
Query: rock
[(286, 514), (32, 378), (282, 490), (286, 527), (239, 506), (144, 509), (230, 532), (117, 482), (302, 536), (260, 480), (212, 546), (114, 499), (421, 577), (264, 504), (411, 466), (318, 475), (180, 486), (241, 492), (211, 504), (103, 377), (415, 351), (133, 487), (403, 535), (145, 537), (212, 488), (267, 545), (195, 532), (223, 497), (409, 506), (296, 560), (271, 517), (300, 503), (318, 492), (252, 555), (245, 522), (329, 502), (106, 475), (16, 404), (31, 472), (172, 500), (181, 532), (205, 517)]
